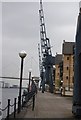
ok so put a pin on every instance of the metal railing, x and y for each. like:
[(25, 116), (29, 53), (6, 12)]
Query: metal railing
[(27, 100)]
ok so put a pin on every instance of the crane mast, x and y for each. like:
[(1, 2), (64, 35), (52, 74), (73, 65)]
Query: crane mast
[(39, 57), (40, 62), (46, 54)]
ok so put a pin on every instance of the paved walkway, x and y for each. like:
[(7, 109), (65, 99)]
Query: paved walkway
[(50, 106)]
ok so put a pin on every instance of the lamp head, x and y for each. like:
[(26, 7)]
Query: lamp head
[(30, 70), (22, 54)]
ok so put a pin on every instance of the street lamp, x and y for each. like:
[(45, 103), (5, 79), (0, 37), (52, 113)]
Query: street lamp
[(22, 54), (29, 79)]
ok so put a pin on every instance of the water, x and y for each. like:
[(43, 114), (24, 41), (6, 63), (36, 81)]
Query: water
[(8, 93)]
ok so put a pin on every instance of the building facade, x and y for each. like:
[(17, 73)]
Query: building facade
[(58, 60), (68, 65)]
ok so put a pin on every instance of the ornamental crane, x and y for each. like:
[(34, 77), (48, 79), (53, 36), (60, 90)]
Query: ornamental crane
[(46, 71)]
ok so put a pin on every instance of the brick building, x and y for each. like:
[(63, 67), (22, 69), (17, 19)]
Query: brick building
[(68, 64), (58, 60)]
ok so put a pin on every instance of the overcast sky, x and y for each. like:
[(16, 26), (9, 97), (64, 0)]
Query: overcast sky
[(21, 31)]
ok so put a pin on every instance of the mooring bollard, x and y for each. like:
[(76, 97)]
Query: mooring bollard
[(8, 108)]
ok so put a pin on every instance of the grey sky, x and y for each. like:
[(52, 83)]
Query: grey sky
[(21, 31)]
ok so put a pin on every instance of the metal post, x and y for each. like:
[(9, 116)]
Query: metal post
[(19, 107), (8, 108), (29, 81), (22, 101), (33, 103), (14, 107)]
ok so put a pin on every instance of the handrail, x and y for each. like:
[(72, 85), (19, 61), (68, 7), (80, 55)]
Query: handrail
[(25, 99)]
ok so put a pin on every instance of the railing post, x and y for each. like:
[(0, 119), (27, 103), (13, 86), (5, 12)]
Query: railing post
[(22, 101), (18, 104), (14, 107), (8, 108), (33, 103)]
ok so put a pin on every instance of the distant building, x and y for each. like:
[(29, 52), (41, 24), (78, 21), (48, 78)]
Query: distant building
[(58, 60), (2, 84), (68, 64), (7, 85), (14, 86)]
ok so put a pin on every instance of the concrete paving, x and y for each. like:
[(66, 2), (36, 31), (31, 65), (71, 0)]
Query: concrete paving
[(50, 106)]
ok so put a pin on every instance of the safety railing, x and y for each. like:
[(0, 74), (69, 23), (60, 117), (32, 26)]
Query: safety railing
[(7, 108), (27, 100)]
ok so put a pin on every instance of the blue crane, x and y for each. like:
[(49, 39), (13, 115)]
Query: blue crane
[(46, 71)]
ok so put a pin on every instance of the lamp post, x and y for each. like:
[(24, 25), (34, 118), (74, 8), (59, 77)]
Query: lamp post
[(29, 79), (22, 54)]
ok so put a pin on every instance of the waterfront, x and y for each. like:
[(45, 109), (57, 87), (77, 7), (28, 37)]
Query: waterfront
[(49, 105), (8, 93)]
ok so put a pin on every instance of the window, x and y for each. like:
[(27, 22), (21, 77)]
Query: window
[(58, 74), (67, 58), (66, 77), (67, 68)]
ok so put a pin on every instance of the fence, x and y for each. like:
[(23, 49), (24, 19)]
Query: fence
[(25, 99)]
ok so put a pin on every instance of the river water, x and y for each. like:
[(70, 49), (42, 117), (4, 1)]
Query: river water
[(5, 94)]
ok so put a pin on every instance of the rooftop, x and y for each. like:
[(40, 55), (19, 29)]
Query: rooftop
[(68, 48), (58, 58)]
